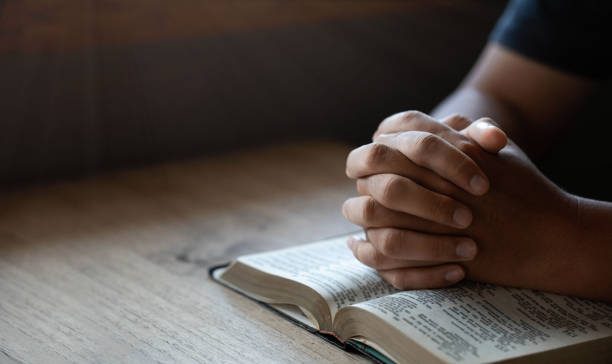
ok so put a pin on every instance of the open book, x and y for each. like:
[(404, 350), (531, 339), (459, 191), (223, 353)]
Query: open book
[(325, 288)]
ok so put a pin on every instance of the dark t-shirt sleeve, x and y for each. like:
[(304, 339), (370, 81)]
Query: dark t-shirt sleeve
[(572, 36)]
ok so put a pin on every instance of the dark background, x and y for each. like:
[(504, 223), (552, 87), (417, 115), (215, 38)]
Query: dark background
[(91, 85)]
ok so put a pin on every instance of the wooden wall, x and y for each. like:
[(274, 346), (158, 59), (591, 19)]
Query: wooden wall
[(91, 84)]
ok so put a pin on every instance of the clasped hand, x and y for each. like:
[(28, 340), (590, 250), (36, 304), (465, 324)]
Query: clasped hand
[(441, 200)]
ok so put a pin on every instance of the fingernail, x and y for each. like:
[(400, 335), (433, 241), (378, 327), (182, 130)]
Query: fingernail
[(478, 184), (345, 208), (466, 249), (454, 275), (462, 217), (388, 135), (484, 125)]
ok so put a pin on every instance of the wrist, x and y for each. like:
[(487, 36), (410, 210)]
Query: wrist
[(585, 267), (554, 231)]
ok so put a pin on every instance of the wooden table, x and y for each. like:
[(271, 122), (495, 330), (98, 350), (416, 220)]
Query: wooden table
[(114, 268)]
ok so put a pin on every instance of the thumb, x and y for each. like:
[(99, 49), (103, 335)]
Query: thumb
[(484, 132)]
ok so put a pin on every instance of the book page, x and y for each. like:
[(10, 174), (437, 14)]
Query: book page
[(329, 267), (482, 323)]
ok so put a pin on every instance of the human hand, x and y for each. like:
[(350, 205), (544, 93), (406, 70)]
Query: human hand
[(522, 225), (431, 154), (414, 162)]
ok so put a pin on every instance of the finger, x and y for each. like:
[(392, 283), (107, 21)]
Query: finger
[(366, 212), (402, 194), (368, 255), (449, 128), (413, 245), (436, 154), (415, 120), (424, 277), (376, 158), (456, 121), (484, 132)]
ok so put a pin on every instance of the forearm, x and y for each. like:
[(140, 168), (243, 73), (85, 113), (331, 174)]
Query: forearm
[(531, 101)]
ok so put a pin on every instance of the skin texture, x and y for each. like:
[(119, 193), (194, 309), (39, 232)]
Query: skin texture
[(442, 199), (531, 102)]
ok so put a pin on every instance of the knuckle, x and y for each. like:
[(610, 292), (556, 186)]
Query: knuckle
[(396, 280), (439, 250), (376, 154), (468, 147), (457, 117), (461, 119), (369, 210), (375, 260), (442, 208), (392, 122), (359, 253), (388, 242), (391, 188), (384, 125), (425, 145), (411, 119), (402, 279), (411, 115)]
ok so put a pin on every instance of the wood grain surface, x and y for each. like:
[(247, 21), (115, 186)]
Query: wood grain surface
[(62, 25), (87, 85), (112, 269)]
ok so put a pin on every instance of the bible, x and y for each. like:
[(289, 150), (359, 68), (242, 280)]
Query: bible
[(323, 288)]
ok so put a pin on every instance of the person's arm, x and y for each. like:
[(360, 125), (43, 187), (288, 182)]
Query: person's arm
[(530, 101), (529, 232), (525, 232)]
